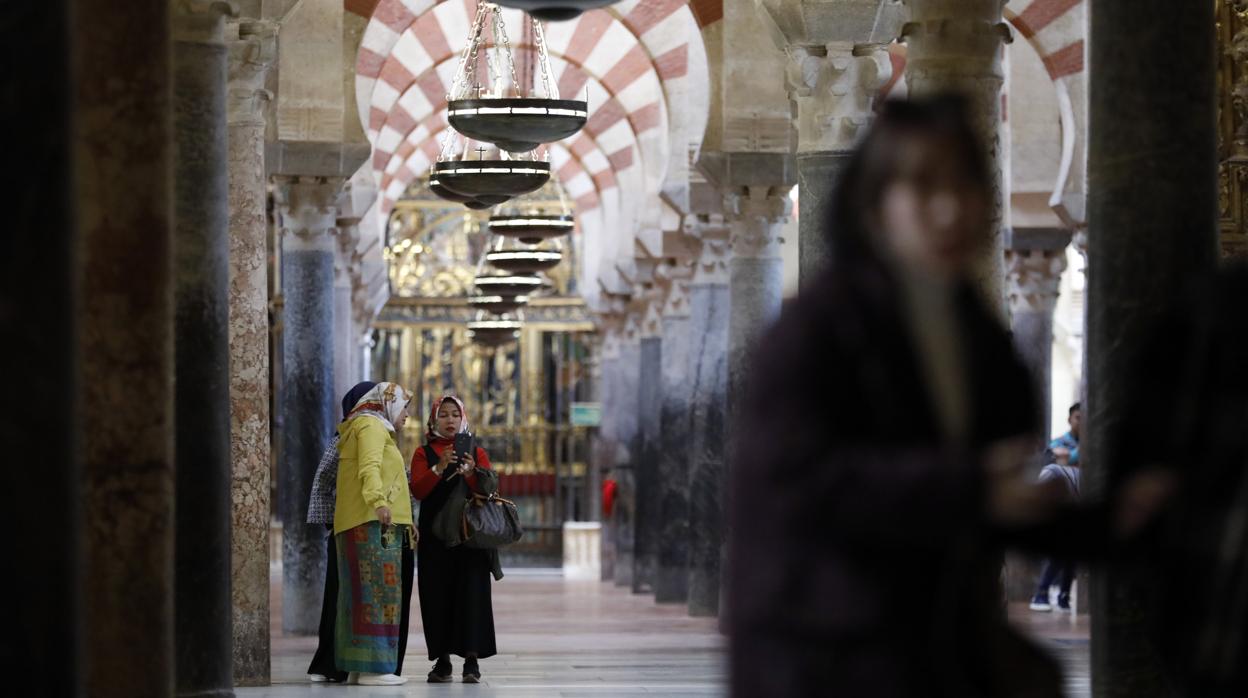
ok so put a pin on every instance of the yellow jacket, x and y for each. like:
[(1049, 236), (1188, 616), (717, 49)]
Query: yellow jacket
[(370, 475)]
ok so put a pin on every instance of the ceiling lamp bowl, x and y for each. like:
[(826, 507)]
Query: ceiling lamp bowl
[(532, 229), (507, 284), (493, 333), (439, 189), (524, 261), (498, 305), (555, 10), (517, 124), (491, 182)]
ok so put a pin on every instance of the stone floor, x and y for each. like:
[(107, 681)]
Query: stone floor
[(575, 638)]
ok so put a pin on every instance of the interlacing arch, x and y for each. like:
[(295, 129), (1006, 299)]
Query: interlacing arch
[(640, 64)]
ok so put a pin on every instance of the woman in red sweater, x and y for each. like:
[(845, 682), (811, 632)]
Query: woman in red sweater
[(453, 583)]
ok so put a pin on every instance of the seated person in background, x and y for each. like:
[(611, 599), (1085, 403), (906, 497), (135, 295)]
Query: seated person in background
[(1065, 470)]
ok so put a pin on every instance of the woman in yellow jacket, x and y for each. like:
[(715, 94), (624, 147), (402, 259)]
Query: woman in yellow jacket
[(372, 519)]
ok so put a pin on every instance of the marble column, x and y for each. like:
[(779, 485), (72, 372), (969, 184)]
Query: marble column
[(756, 274), (1033, 278), (308, 219), (956, 46), (1152, 237), (671, 578), (123, 58), (757, 216), (833, 89), (38, 291), (709, 319), (203, 635), (252, 47), (606, 441), (646, 528), (346, 280), (626, 447)]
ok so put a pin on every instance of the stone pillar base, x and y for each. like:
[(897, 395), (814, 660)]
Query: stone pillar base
[(582, 550)]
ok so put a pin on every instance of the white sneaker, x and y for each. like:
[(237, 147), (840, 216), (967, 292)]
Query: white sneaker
[(382, 680), (353, 678), (318, 678)]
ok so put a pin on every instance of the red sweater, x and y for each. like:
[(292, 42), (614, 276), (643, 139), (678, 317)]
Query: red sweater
[(423, 477)]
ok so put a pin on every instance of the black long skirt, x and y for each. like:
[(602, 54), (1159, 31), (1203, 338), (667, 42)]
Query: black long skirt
[(323, 660), (455, 606)]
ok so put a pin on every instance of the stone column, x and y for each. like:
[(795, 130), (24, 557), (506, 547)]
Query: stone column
[(757, 216), (956, 46), (39, 293), (756, 272), (308, 219), (252, 47), (671, 580), (626, 447), (204, 639), (1033, 278), (123, 56), (646, 529), (605, 451), (1152, 111), (833, 88), (709, 311), (346, 280)]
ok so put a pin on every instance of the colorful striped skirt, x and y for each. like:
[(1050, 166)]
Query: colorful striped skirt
[(370, 590)]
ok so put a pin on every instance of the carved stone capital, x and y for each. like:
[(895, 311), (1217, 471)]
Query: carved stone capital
[(757, 215), (1033, 279), (711, 266), (947, 40), (201, 21), (307, 210), (253, 51), (652, 316), (348, 260), (833, 88)]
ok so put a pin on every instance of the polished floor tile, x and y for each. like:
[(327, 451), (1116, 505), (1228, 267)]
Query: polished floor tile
[(571, 639)]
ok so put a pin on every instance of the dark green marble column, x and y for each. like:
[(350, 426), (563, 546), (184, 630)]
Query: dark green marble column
[(1152, 202)]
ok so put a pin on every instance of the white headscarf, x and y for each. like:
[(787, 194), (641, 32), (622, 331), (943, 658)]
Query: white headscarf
[(385, 402)]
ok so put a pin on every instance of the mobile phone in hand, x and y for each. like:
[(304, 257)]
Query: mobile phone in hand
[(464, 445)]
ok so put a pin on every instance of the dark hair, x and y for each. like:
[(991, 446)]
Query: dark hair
[(1075, 408), (876, 163)]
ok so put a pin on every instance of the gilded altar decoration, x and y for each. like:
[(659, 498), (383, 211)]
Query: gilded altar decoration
[(519, 394), (1232, 95)]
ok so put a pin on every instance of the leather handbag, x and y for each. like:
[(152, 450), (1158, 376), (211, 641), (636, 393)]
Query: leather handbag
[(489, 521)]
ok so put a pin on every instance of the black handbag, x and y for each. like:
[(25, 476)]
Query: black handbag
[(490, 521)]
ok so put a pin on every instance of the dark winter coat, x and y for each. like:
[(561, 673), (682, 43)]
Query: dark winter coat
[(860, 561), (453, 584)]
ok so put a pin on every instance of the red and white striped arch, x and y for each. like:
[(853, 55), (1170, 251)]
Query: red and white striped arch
[(1058, 30), (641, 64)]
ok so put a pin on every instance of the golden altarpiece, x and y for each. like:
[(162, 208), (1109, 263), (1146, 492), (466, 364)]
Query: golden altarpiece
[(519, 396), (1232, 18)]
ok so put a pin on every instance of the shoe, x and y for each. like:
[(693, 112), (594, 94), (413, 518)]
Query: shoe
[(1040, 602), (353, 678), (381, 680), (318, 678), (472, 672), (1063, 603), (441, 672)]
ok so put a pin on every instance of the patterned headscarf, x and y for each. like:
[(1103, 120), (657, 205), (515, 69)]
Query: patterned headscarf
[(385, 402), (433, 417)]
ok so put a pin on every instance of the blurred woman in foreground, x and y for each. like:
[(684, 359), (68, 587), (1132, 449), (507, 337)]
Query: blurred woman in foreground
[(882, 443)]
